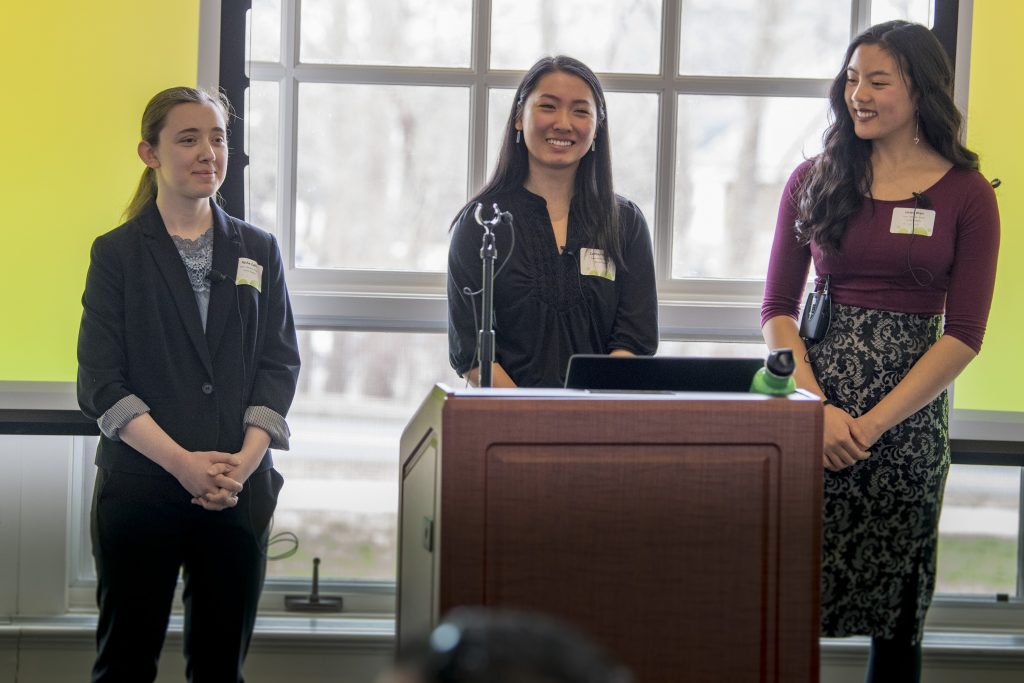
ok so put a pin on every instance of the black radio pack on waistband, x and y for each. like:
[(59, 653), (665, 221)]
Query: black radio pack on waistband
[(817, 315)]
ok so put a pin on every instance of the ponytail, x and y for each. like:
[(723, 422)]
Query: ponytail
[(144, 194)]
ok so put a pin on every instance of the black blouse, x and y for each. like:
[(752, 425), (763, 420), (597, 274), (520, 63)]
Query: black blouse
[(545, 309)]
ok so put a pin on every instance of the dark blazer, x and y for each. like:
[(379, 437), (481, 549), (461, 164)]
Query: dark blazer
[(141, 334)]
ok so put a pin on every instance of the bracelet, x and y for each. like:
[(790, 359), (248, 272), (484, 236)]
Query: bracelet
[(826, 402)]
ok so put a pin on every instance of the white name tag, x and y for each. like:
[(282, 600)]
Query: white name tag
[(249, 273), (912, 222), (593, 262)]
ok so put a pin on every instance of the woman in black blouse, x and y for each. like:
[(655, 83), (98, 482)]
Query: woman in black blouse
[(578, 274)]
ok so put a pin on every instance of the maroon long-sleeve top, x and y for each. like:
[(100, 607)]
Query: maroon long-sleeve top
[(952, 270)]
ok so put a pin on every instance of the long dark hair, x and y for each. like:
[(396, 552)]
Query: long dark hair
[(840, 177), (154, 118), (594, 196)]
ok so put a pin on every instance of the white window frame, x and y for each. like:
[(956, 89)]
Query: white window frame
[(689, 309)]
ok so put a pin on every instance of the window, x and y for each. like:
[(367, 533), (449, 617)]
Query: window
[(357, 392), (370, 122), (979, 532)]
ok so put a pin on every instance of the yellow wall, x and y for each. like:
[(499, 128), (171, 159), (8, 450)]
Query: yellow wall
[(993, 380), (78, 75)]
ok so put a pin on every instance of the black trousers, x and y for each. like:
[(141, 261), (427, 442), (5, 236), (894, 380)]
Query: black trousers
[(144, 531), (893, 661), (898, 659)]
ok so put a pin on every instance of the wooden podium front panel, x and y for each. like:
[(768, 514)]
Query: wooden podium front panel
[(620, 536), (682, 532)]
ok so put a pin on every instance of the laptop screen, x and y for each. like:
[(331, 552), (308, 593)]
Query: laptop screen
[(660, 373)]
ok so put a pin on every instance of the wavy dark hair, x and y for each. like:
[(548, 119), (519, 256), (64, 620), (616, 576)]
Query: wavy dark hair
[(840, 177), (154, 118), (594, 195)]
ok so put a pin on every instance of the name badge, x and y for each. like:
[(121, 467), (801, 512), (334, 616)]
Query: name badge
[(593, 262), (249, 273), (912, 222)]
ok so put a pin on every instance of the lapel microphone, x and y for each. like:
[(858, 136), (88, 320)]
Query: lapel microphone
[(215, 276)]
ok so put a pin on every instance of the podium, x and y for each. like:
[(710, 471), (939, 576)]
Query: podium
[(680, 531)]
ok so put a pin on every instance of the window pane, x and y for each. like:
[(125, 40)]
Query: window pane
[(388, 32), (633, 122), (919, 11), (608, 35), (978, 530), (499, 104), (382, 171), (633, 125), (261, 144), (799, 38), (264, 41), (356, 393), (733, 157), (82, 565)]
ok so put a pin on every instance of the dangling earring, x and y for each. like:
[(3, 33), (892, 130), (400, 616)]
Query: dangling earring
[(917, 130), (519, 136), (593, 145)]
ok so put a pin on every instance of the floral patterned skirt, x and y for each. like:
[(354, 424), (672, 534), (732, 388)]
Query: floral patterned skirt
[(881, 515)]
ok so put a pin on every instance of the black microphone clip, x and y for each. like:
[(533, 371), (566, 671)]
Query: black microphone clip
[(922, 200), (215, 276)]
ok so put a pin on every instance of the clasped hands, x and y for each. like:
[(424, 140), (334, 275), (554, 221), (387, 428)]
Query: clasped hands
[(212, 477), (847, 438)]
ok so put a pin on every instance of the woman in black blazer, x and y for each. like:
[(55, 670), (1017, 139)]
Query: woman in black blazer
[(188, 361)]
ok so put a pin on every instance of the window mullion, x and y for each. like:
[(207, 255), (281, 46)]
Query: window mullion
[(288, 134), (383, 75), (209, 44), (860, 16), (664, 194), (479, 96)]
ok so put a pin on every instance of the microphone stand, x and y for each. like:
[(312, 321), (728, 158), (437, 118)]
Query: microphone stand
[(488, 255)]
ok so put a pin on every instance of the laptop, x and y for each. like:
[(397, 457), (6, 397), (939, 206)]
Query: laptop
[(660, 373)]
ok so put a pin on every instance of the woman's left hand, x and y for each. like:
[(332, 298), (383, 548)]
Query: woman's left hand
[(227, 478), (842, 448), (865, 431), (215, 502), (231, 479), (234, 477)]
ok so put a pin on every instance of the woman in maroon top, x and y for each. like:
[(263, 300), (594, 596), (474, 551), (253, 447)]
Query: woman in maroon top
[(896, 216)]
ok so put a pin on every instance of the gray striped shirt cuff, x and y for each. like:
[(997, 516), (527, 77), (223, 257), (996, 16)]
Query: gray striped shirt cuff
[(271, 422), (120, 414)]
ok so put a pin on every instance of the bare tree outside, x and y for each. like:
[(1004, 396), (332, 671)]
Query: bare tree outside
[(609, 36)]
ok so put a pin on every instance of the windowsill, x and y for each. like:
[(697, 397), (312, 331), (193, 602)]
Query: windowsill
[(939, 645), (366, 631), (379, 633)]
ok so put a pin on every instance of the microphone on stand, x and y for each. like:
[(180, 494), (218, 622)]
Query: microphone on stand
[(488, 255)]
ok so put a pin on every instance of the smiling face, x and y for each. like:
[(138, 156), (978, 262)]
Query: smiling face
[(558, 121), (877, 96), (190, 160)]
